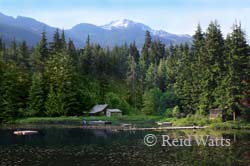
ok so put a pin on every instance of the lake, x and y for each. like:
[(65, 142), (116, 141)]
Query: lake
[(73, 145)]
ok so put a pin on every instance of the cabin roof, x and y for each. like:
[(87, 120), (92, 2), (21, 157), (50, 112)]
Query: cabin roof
[(98, 108), (114, 110)]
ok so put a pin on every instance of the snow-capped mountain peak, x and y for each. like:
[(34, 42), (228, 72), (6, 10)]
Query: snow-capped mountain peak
[(127, 24), (119, 24)]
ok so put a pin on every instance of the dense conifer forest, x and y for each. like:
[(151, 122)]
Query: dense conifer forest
[(57, 79)]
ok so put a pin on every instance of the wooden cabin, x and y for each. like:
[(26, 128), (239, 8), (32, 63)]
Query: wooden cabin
[(99, 109), (102, 110), (113, 112)]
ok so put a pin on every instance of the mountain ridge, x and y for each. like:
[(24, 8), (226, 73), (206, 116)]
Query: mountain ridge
[(114, 33)]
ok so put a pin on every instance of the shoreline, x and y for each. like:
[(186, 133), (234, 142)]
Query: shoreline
[(138, 121)]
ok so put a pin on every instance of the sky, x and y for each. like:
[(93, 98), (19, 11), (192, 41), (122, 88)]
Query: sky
[(174, 16)]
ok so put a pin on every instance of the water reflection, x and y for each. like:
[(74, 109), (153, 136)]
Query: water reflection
[(77, 146)]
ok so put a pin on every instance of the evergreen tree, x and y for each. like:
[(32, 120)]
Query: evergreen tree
[(36, 96), (43, 47), (141, 78), (133, 51), (197, 68), (157, 52), (56, 45), (86, 58), (151, 76), (238, 75), (23, 56), (12, 52), (73, 52), (54, 104), (63, 43), (146, 49), (172, 63), (183, 84), (151, 104), (12, 92), (132, 81), (63, 81), (212, 61), (2, 51), (40, 54), (161, 78)]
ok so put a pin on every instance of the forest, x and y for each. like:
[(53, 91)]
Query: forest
[(55, 78)]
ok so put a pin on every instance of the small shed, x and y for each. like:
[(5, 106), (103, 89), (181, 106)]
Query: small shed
[(113, 112), (99, 109), (214, 113)]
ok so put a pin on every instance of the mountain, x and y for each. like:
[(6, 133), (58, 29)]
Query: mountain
[(115, 33), (125, 24), (23, 28)]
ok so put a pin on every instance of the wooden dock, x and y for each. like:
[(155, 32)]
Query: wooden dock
[(166, 128), (121, 128)]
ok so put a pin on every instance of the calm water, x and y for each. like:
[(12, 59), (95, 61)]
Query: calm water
[(56, 145)]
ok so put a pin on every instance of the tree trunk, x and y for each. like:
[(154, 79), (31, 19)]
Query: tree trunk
[(234, 116)]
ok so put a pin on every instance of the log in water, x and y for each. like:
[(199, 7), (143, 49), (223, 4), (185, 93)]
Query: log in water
[(25, 132)]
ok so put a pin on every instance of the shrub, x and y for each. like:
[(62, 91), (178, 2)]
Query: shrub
[(176, 112), (114, 101)]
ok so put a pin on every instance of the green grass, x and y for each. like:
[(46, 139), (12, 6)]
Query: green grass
[(47, 120), (230, 125), (139, 120), (189, 121)]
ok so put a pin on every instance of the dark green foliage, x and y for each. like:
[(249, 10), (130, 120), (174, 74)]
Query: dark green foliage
[(57, 79), (157, 102), (37, 96), (161, 79), (184, 80), (151, 100), (146, 48), (12, 52), (132, 81), (133, 51), (58, 43), (151, 76), (213, 61), (54, 104), (73, 52), (39, 54), (86, 58), (23, 56), (13, 92), (114, 101), (62, 80), (236, 78), (157, 52), (43, 47)]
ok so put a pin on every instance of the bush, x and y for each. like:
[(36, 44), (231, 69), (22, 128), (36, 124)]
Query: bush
[(176, 112), (114, 101), (156, 102), (151, 100), (168, 99), (169, 112)]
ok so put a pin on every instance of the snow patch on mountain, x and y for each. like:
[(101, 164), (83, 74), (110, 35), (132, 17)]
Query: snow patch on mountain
[(126, 23)]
